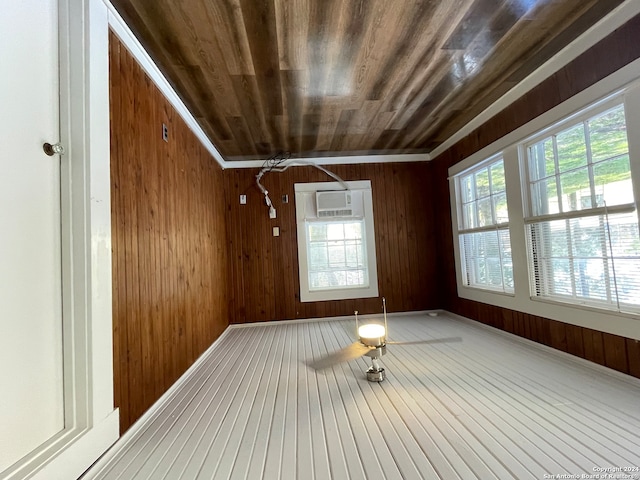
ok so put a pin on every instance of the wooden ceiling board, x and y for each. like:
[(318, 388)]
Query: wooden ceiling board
[(348, 77)]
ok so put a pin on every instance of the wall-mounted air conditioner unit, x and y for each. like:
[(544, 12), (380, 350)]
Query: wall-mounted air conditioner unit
[(334, 204)]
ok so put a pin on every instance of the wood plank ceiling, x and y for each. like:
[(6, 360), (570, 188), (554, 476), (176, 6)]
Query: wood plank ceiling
[(335, 77)]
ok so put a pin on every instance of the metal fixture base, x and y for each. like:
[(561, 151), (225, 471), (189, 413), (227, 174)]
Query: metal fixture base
[(377, 352), (374, 375)]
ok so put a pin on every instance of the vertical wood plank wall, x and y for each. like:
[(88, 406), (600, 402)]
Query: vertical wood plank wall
[(604, 58), (168, 238), (264, 269)]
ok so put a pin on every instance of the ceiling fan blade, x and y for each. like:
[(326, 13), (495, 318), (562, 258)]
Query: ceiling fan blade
[(353, 351), (428, 342)]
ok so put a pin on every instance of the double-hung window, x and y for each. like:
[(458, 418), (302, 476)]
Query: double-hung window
[(581, 221), (483, 228), (568, 248), (336, 241)]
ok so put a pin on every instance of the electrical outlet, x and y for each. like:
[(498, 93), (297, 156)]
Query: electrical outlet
[(276, 231), (285, 198), (243, 199), (272, 212), (165, 132)]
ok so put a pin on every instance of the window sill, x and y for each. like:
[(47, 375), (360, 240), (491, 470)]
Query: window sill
[(338, 294)]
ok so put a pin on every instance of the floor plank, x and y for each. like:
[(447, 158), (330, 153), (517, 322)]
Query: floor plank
[(490, 406)]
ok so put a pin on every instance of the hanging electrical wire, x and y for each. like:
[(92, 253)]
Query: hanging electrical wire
[(280, 162)]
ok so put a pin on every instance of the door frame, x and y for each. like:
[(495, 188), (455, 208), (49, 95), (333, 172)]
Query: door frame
[(91, 422)]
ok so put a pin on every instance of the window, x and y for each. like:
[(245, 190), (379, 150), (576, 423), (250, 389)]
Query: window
[(336, 254), (582, 225), (483, 230), (572, 186), (336, 243)]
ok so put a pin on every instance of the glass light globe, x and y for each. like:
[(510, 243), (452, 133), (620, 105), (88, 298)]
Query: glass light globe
[(372, 334)]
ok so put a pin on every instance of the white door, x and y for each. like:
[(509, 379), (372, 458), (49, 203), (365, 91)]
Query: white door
[(31, 380)]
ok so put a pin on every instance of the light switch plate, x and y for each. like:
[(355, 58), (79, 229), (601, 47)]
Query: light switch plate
[(243, 199), (276, 231)]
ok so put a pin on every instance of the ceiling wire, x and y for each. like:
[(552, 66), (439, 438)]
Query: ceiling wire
[(280, 162)]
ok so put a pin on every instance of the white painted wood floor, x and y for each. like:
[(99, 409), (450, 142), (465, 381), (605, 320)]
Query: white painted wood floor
[(492, 406)]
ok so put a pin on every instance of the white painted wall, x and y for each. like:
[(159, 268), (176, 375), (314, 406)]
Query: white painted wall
[(31, 373)]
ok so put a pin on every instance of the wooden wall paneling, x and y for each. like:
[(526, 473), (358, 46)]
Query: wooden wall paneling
[(515, 319), (290, 279), (191, 245), (194, 281), (231, 225), (383, 260), (151, 187), (235, 233), (143, 110), (198, 291), (157, 244), (250, 262), (399, 233), (165, 165), (558, 335), (574, 340), (443, 238), (183, 247), (154, 280), (169, 254), (538, 329), (544, 327), (395, 192), (257, 248), (254, 248), (170, 267), (410, 199), (633, 356), (507, 320), (594, 346), (615, 352), (389, 284), (426, 227), (133, 348), (418, 216), (525, 325), (263, 245)]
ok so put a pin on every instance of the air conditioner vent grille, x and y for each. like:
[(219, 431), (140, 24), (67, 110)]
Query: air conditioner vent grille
[(335, 213)]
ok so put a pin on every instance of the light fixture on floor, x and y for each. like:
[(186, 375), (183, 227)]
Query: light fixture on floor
[(374, 336), (372, 342)]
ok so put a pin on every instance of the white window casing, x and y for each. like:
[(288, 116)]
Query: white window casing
[(336, 241)]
